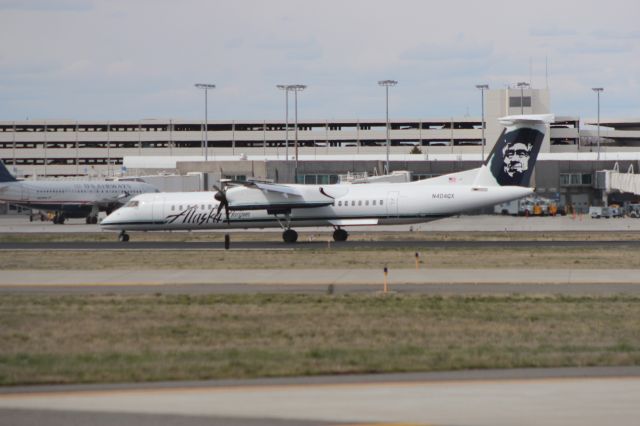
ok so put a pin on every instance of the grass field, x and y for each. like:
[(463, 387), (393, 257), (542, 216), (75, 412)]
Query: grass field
[(618, 258), (305, 235), (593, 257), (82, 339)]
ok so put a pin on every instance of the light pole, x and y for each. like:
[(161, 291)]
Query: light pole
[(206, 88), (285, 87), (482, 88), (295, 88), (522, 85), (386, 84), (598, 90)]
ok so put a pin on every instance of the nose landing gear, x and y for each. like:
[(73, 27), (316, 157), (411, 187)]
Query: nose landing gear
[(123, 237)]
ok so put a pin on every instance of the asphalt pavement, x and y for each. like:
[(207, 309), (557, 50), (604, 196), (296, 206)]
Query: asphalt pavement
[(567, 397)]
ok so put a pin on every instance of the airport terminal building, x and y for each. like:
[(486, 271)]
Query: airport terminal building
[(320, 150)]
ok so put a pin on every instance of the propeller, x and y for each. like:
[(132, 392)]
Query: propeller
[(221, 196)]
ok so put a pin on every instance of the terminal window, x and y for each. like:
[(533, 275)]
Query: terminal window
[(575, 179), (514, 101)]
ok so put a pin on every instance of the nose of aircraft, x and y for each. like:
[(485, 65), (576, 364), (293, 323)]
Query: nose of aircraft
[(110, 220)]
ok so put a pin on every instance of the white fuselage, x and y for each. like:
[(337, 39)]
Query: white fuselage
[(365, 204), (67, 195)]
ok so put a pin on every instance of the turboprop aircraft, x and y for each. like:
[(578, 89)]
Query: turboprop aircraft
[(503, 177), (69, 198)]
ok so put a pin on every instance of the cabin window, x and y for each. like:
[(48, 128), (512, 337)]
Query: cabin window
[(173, 208), (180, 207), (374, 202), (353, 203), (210, 207), (202, 207), (339, 203), (359, 202), (381, 203), (366, 203)]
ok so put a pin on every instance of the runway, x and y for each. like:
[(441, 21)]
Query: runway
[(566, 396), (317, 281), (462, 223), (318, 245)]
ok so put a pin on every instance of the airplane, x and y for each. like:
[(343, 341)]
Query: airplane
[(504, 176), (78, 198)]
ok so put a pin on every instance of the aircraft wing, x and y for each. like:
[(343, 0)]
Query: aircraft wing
[(275, 197), (283, 189)]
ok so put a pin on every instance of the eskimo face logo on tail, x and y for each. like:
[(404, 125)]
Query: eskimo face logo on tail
[(516, 157)]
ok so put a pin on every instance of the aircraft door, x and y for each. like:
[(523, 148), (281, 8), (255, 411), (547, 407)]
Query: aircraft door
[(157, 209), (392, 204)]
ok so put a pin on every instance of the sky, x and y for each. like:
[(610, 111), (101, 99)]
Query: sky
[(138, 59)]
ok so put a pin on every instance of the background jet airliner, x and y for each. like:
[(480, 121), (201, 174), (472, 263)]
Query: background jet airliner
[(80, 198), (503, 177)]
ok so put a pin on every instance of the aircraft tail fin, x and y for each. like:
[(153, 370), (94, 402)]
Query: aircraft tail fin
[(5, 176), (511, 161)]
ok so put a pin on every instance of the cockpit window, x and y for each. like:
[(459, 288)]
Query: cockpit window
[(132, 203)]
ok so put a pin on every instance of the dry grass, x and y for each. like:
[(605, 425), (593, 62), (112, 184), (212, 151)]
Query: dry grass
[(74, 339), (218, 236), (619, 258)]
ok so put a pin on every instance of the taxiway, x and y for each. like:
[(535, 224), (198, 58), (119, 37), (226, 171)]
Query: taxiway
[(573, 396)]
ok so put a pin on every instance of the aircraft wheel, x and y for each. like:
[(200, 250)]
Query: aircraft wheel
[(87, 220), (61, 219), (123, 237), (94, 220), (290, 236), (340, 235)]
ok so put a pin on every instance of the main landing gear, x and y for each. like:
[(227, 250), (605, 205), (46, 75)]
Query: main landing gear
[(340, 235), (123, 237), (91, 220), (290, 236), (59, 219)]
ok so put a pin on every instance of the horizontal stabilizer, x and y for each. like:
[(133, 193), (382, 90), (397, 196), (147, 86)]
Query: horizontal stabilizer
[(531, 119)]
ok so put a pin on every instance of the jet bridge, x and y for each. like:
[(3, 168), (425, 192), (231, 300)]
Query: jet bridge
[(614, 180)]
